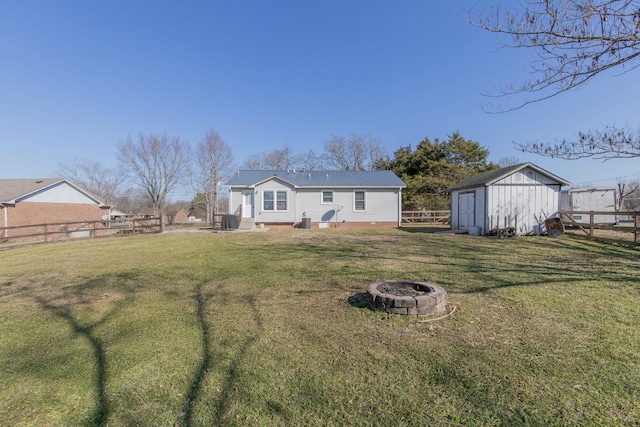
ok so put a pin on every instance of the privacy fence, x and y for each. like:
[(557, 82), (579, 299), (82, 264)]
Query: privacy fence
[(54, 232)]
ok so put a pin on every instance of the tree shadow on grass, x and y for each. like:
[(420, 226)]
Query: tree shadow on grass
[(203, 301), (62, 306), (101, 412)]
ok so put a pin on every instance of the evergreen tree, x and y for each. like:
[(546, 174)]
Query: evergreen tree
[(435, 166)]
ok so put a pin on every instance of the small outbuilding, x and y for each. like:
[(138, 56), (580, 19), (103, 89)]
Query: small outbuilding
[(521, 197)]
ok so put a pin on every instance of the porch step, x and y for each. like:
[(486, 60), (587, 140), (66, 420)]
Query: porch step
[(247, 224)]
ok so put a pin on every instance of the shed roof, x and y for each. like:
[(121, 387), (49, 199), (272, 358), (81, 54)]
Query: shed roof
[(13, 189), (485, 179), (318, 179)]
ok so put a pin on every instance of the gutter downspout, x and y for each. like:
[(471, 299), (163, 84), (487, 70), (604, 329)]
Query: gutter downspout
[(6, 219), (400, 207)]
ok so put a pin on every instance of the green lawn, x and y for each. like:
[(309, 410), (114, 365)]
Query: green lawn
[(255, 329)]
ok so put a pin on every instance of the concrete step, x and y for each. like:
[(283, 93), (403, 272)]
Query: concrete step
[(247, 224)]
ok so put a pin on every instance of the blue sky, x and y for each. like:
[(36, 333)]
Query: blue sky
[(77, 77)]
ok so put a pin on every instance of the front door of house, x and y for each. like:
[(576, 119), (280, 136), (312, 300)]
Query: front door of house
[(247, 204), (466, 210)]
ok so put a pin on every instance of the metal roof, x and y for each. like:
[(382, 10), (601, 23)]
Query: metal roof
[(318, 179), (487, 178)]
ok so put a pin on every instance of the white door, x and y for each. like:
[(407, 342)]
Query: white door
[(247, 204), (466, 210)]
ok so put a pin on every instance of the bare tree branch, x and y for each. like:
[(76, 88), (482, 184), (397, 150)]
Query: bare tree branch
[(610, 143), (157, 162), (213, 162), (278, 159), (572, 41), (356, 152), (93, 177)]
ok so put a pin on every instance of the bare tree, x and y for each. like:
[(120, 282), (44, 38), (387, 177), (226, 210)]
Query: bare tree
[(508, 161), (213, 163), (572, 41), (278, 159), (158, 163), (625, 189), (356, 152), (132, 200), (94, 177)]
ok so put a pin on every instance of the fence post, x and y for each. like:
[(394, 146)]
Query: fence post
[(591, 223), (45, 233), (635, 227)]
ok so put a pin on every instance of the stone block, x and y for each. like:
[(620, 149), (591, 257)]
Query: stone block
[(404, 301)]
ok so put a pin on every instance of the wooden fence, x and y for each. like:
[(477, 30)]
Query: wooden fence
[(623, 226), (426, 217), (42, 233)]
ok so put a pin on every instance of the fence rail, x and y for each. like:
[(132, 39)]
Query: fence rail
[(624, 226), (42, 233), (424, 216)]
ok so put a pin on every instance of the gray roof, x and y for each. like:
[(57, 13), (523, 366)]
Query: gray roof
[(487, 178), (13, 189), (319, 179)]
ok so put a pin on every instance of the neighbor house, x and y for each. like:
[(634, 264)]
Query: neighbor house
[(520, 196), (316, 198), (45, 201), (176, 216)]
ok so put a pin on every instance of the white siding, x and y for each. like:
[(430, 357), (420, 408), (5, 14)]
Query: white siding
[(235, 199), (288, 215), (523, 206), (61, 193), (525, 176), (523, 200), (382, 205)]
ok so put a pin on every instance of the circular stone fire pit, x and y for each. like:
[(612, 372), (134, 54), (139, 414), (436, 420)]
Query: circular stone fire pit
[(407, 297)]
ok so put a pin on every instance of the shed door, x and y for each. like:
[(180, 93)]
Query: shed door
[(466, 210)]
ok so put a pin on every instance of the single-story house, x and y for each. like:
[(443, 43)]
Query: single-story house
[(45, 201), (176, 216), (169, 217), (520, 196), (316, 198)]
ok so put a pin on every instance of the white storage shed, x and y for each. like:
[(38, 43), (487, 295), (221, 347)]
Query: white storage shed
[(520, 196)]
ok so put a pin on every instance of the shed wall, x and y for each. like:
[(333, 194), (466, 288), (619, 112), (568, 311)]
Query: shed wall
[(524, 206)]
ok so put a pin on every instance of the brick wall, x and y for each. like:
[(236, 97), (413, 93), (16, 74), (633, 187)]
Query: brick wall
[(27, 213)]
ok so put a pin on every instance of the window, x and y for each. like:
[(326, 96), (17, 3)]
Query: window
[(359, 201), (327, 197), (267, 200), (281, 201), (274, 200)]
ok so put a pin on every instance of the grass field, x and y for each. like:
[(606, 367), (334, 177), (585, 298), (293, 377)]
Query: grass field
[(270, 329)]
